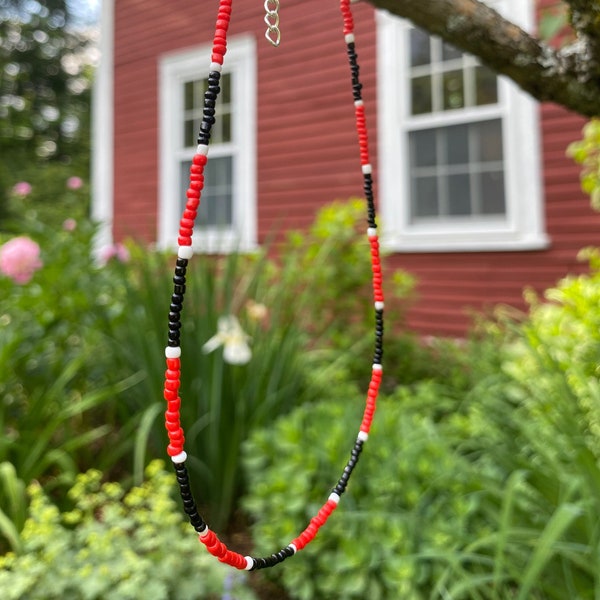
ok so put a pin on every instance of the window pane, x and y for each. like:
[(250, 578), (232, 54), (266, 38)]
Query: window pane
[(457, 144), (225, 127), (459, 195), (492, 193), (486, 90), (216, 206), (490, 141), (450, 52), (425, 197), (423, 148), (189, 95), (189, 134), (420, 50), (454, 95), (421, 95), (225, 88), (457, 170)]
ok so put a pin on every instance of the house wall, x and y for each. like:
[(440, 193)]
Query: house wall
[(307, 150)]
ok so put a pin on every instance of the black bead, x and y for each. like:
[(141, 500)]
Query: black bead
[(179, 279)]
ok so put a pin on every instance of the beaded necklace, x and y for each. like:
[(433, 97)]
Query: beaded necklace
[(173, 350)]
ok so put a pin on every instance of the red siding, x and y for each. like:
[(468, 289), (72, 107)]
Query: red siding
[(307, 150)]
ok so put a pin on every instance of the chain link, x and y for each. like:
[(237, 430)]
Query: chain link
[(273, 34)]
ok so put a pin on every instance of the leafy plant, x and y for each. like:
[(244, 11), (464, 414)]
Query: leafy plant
[(486, 492), (114, 544), (221, 402), (586, 152)]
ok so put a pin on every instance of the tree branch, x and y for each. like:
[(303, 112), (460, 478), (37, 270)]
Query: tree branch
[(567, 77)]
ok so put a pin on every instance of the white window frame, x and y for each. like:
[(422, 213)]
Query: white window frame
[(174, 70), (523, 226)]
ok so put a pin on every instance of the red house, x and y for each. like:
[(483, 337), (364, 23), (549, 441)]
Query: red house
[(476, 197)]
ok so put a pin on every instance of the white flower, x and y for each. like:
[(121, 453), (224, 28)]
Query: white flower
[(234, 340)]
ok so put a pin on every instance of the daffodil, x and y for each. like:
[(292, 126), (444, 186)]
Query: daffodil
[(234, 340)]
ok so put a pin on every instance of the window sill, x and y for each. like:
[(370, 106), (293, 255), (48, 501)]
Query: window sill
[(413, 243)]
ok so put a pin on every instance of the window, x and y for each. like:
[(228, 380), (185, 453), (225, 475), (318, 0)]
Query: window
[(227, 214), (459, 156)]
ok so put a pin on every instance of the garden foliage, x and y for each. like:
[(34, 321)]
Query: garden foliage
[(480, 479), (114, 544), (489, 494)]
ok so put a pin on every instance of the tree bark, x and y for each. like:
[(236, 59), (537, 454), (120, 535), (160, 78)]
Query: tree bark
[(569, 76)]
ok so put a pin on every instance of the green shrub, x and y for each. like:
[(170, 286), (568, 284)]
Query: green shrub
[(413, 506), (586, 152), (114, 545), (326, 277), (490, 493), (315, 312)]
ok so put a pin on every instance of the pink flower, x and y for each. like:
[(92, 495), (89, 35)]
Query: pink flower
[(22, 189), (74, 183), (19, 259), (69, 224), (117, 251)]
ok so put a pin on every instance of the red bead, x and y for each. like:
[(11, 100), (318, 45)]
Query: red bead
[(173, 363), (196, 185), (169, 394), (172, 374), (172, 425), (171, 416), (174, 405), (197, 169), (189, 214), (185, 232), (199, 159), (184, 240), (189, 223), (191, 193), (176, 435), (174, 450), (172, 384)]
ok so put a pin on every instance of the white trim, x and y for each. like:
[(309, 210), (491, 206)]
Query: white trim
[(174, 68), (103, 131), (523, 226)]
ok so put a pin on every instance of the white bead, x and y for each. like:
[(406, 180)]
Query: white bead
[(249, 563), (335, 497), (215, 66), (293, 547), (204, 533), (358, 103), (179, 458), (372, 232), (202, 149), (367, 169), (379, 305), (185, 252), (377, 367), (363, 436), (172, 352), (349, 38)]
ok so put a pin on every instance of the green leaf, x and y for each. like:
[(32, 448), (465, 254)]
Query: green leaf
[(545, 546)]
